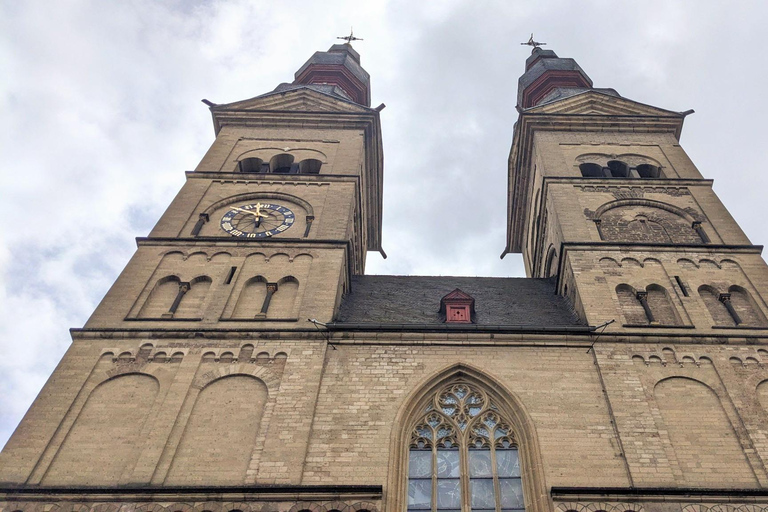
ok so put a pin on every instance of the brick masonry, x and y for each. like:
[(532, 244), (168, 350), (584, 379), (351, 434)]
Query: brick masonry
[(217, 405)]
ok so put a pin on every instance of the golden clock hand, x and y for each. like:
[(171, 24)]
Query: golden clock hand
[(256, 213), (241, 210), (259, 206)]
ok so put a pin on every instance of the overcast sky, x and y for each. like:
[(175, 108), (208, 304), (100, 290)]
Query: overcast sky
[(101, 116)]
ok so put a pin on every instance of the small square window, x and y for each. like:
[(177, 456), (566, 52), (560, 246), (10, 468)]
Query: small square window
[(457, 314)]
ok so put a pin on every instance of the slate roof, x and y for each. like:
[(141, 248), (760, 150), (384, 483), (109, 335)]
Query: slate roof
[(544, 65), (560, 93), (416, 300), (331, 90), (339, 55)]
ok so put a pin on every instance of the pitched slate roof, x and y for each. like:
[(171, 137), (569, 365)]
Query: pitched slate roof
[(560, 93), (331, 90), (416, 300)]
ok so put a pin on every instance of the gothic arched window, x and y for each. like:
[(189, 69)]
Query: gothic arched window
[(463, 456)]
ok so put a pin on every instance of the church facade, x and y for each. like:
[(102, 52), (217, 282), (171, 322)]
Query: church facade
[(243, 361)]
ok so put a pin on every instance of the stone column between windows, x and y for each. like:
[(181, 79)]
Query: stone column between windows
[(271, 289), (725, 298), (200, 223), (183, 288), (642, 297)]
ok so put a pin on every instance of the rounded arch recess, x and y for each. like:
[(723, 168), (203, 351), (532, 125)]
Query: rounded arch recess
[(725, 454), (260, 195), (225, 460), (650, 203)]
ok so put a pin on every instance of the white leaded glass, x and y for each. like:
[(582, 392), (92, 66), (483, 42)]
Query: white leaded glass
[(463, 456)]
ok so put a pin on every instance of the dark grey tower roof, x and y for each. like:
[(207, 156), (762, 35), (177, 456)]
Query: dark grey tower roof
[(339, 66), (544, 70)]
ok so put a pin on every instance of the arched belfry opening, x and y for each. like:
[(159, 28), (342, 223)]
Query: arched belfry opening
[(463, 442)]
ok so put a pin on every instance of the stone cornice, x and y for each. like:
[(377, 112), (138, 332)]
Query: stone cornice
[(280, 179), (228, 241), (674, 494), (227, 494), (578, 337)]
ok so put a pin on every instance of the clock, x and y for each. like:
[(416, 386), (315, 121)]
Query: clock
[(260, 220)]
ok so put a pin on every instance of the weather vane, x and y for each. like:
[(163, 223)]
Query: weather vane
[(533, 43), (351, 37)]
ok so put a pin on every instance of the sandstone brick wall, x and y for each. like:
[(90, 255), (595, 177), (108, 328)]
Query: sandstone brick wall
[(97, 453), (309, 279), (283, 411), (706, 452), (220, 435)]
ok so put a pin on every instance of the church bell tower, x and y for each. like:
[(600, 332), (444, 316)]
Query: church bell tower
[(603, 196), (265, 234)]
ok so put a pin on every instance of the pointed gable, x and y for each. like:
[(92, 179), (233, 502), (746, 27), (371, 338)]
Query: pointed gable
[(304, 98), (593, 102), (457, 307)]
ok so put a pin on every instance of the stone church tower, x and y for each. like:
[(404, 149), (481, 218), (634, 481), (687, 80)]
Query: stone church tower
[(625, 373)]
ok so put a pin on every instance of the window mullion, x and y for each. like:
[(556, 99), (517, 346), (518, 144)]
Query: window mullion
[(434, 476), (448, 423), (495, 473), (464, 473)]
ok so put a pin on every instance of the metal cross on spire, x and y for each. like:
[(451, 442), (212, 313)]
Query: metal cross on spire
[(533, 43), (351, 37)]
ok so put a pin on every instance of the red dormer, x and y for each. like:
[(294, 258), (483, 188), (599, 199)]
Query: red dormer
[(457, 308)]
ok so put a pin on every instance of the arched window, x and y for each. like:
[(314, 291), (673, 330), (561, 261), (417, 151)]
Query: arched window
[(550, 267), (192, 301), (534, 224), (733, 308), (281, 164), (590, 170), (251, 165), (618, 169), (251, 299), (648, 171), (661, 306), (717, 309), (283, 302), (631, 307), (463, 455), (745, 307), (161, 298), (310, 166)]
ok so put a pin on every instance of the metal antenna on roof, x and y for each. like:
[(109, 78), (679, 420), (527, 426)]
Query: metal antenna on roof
[(533, 43), (603, 327), (327, 332), (351, 37)]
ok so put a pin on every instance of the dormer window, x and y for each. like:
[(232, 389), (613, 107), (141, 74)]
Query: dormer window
[(457, 308)]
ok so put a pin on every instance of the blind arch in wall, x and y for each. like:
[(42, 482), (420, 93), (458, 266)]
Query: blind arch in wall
[(220, 434), (106, 434), (161, 297), (707, 449)]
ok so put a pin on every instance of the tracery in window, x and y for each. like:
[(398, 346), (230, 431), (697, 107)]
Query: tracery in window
[(463, 456)]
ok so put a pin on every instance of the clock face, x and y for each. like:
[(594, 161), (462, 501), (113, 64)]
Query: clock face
[(259, 220)]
